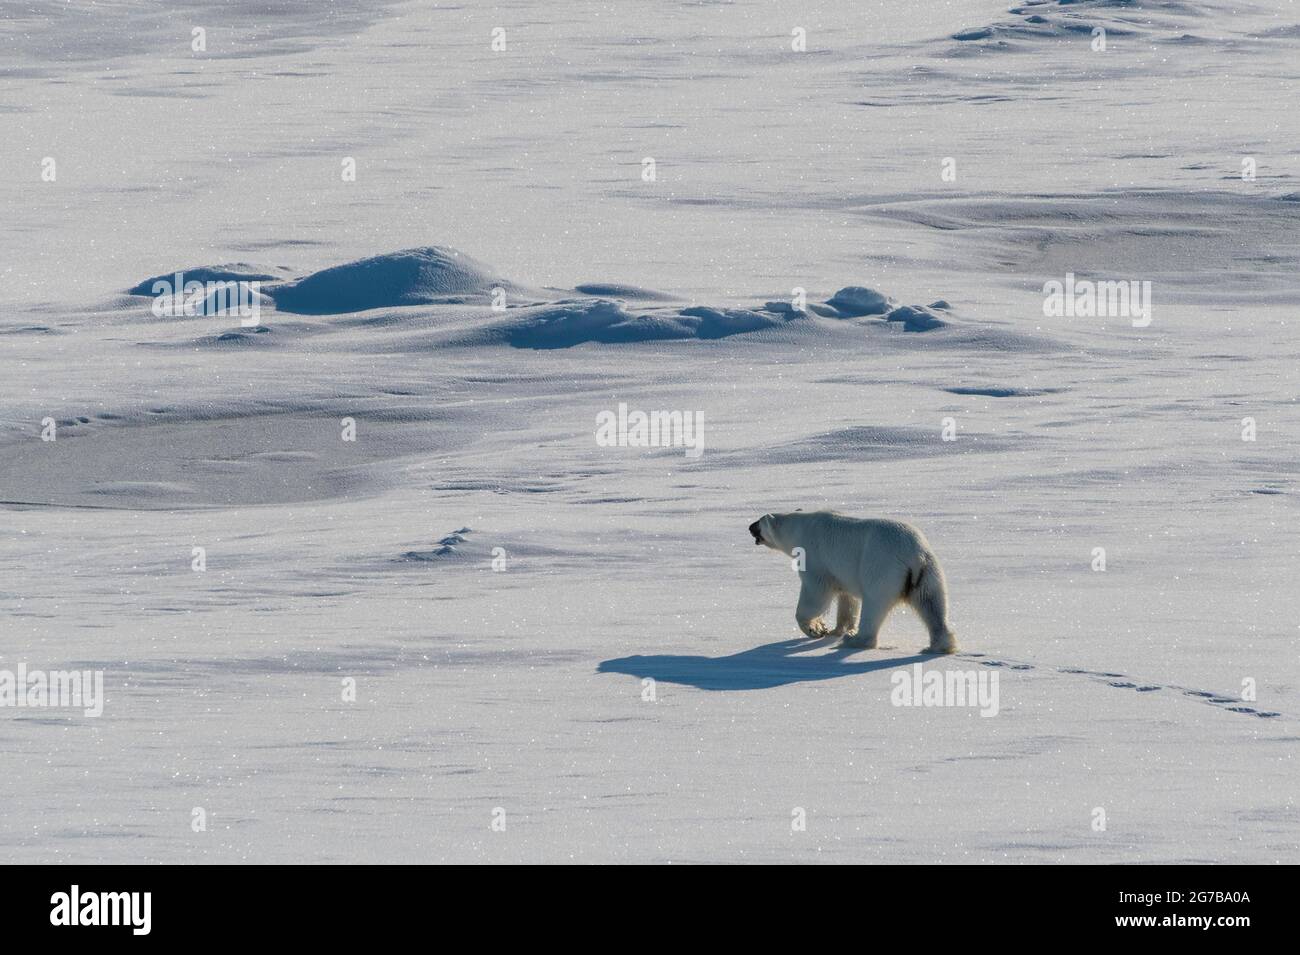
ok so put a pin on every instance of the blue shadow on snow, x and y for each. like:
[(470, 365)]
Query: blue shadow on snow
[(762, 668)]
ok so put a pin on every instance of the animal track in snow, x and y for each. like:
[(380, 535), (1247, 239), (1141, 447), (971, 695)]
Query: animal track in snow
[(1120, 681)]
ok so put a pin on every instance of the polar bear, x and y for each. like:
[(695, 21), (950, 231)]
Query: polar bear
[(870, 565)]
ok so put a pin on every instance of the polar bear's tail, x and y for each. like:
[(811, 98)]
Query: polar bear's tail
[(927, 592)]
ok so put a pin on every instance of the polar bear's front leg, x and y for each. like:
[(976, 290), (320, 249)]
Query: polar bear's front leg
[(814, 600), (846, 617)]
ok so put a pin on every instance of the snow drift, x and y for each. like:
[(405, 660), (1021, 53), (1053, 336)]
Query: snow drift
[(422, 276), (524, 317), (233, 272)]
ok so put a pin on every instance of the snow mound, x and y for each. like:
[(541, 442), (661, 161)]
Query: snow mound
[(856, 301), (236, 300), (571, 323), (235, 272), (915, 318), (619, 290), (424, 276)]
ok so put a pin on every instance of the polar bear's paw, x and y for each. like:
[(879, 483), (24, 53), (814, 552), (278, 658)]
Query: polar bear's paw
[(845, 632), (943, 645), (859, 642), (814, 629)]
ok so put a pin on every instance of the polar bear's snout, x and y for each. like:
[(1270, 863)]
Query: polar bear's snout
[(757, 532)]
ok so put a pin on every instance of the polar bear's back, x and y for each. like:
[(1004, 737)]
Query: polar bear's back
[(858, 553), (874, 532)]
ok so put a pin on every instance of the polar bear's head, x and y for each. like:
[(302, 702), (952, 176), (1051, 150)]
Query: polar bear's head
[(767, 530)]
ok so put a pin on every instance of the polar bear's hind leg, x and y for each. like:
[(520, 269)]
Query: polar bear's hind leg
[(929, 598)]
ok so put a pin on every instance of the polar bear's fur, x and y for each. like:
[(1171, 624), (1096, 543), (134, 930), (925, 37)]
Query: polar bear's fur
[(869, 565)]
